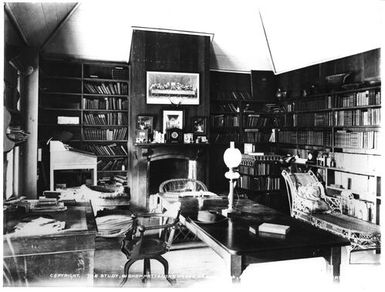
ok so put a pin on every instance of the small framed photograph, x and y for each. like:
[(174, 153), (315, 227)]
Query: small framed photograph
[(145, 122), (172, 119), (188, 138), (199, 126), (142, 136)]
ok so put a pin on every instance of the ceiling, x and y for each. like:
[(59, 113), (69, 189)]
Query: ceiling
[(246, 34)]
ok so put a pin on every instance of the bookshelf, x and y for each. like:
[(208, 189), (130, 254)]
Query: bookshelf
[(261, 179), (343, 128), (88, 104)]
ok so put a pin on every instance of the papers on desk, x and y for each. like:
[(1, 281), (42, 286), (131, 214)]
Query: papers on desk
[(195, 194), (38, 226), (113, 225)]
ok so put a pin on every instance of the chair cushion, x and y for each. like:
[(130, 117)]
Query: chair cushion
[(311, 200)]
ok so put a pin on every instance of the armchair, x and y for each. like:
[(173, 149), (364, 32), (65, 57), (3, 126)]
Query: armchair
[(308, 202), (149, 237)]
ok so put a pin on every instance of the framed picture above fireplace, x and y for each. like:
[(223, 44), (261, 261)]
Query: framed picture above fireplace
[(172, 119), (172, 88)]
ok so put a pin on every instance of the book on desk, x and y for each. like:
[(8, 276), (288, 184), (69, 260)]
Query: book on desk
[(270, 230)]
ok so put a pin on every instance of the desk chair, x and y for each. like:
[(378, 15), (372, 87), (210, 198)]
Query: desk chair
[(150, 237)]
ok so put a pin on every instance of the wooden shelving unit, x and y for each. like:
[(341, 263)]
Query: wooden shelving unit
[(348, 135), (94, 96)]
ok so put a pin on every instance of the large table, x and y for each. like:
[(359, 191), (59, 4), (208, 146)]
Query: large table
[(232, 240), (51, 259)]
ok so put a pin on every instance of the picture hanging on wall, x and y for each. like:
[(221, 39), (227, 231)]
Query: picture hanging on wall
[(172, 119), (199, 126), (172, 88), (145, 122)]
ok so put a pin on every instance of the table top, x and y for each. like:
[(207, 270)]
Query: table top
[(233, 233), (78, 218)]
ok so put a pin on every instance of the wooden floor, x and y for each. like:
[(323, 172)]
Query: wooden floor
[(202, 268)]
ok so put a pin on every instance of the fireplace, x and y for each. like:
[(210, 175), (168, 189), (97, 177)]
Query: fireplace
[(155, 163)]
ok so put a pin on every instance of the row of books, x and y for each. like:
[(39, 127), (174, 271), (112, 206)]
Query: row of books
[(260, 169), (258, 121), (364, 98), (226, 137), (107, 103), (260, 183), (113, 164), (106, 119), (368, 117), (112, 149), (358, 139), (116, 178), (236, 95), (367, 97), (226, 107), (105, 134), (256, 136), (225, 121), (313, 104), (110, 88), (324, 119), (251, 159), (322, 138)]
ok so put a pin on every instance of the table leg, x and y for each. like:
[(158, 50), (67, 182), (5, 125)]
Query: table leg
[(235, 265), (334, 262)]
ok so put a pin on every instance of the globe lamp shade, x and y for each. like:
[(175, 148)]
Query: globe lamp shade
[(232, 156)]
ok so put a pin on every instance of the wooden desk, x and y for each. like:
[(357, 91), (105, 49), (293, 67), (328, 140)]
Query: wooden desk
[(49, 259), (232, 240)]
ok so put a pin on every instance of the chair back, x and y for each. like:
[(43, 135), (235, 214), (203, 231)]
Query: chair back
[(182, 185), (295, 179)]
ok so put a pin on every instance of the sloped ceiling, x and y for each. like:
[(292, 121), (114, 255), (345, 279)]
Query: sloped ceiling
[(37, 21), (292, 34)]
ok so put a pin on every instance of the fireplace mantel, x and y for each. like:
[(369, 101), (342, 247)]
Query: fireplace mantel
[(156, 151)]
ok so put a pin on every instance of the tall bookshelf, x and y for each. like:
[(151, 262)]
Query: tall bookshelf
[(242, 113), (342, 127), (87, 104)]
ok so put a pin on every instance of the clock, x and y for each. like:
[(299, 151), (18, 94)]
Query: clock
[(174, 135)]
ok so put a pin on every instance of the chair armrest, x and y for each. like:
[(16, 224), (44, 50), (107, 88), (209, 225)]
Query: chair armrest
[(143, 228), (334, 203)]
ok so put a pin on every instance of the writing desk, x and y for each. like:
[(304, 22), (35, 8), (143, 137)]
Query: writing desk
[(232, 240), (50, 258)]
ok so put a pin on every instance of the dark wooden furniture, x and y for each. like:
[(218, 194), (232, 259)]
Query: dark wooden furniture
[(51, 259), (150, 237), (232, 240), (95, 95)]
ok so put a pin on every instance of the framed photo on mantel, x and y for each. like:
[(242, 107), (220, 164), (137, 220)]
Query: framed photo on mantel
[(172, 88), (172, 119)]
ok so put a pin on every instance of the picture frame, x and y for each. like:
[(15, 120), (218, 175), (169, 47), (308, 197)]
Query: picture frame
[(142, 136), (188, 138), (172, 88), (172, 119), (199, 125), (145, 122)]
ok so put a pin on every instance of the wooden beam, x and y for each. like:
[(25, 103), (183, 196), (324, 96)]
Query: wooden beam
[(267, 42), (13, 20), (61, 24)]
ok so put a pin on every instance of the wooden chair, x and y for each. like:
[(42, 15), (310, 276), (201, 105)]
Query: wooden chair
[(363, 235), (150, 236), (182, 185)]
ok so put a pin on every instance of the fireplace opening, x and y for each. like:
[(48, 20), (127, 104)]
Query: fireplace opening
[(164, 169)]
